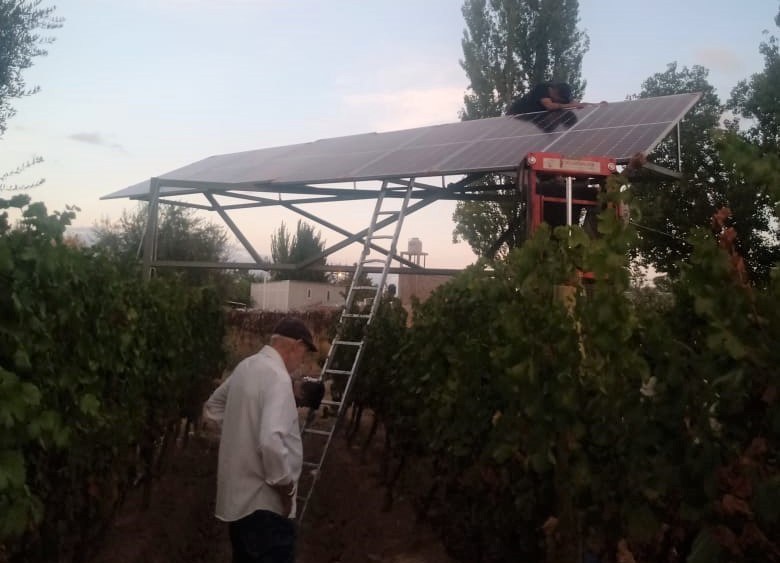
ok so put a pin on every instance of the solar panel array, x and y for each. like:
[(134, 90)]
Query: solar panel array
[(618, 130)]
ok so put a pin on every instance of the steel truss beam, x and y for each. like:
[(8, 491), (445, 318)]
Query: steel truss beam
[(426, 194)]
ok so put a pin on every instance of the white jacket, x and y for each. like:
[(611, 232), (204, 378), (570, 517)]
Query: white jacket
[(261, 440)]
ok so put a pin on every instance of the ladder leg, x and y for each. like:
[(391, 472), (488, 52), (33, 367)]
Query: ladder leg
[(353, 316)]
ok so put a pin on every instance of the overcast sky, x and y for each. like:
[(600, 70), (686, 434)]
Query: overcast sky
[(131, 90)]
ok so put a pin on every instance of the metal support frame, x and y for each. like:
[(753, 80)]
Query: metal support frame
[(233, 227), (350, 236), (150, 240), (679, 149), (466, 189)]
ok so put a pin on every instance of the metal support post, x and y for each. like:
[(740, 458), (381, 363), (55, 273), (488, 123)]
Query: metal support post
[(150, 242), (679, 149)]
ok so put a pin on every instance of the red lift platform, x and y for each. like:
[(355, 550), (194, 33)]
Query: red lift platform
[(564, 191)]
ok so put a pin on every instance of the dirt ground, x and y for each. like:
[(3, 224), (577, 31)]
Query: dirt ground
[(344, 523)]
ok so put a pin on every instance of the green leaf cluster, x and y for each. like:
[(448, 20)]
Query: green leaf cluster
[(94, 366), (536, 393)]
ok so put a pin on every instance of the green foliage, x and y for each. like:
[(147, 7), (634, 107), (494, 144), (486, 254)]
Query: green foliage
[(182, 235), (21, 24), (511, 45), (508, 47), (304, 245), (481, 224), (756, 99), (669, 209), (93, 364), (654, 420)]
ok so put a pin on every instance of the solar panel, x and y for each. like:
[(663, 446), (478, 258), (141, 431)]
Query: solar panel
[(617, 130)]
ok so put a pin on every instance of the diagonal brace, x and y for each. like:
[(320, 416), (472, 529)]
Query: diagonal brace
[(351, 237), (236, 231), (361, 234)]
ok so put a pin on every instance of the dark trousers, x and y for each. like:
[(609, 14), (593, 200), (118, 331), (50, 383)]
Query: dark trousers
[(263, 537)]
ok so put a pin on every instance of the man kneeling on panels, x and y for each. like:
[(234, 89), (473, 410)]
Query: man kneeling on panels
[(260, 450)]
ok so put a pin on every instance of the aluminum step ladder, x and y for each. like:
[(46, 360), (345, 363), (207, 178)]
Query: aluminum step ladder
[(348, 344)]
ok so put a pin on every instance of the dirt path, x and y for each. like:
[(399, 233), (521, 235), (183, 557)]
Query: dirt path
[(344, 524)]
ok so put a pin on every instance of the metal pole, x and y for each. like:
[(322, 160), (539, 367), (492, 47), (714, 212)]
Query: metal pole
[(232, 226), (568, 200), (679, 149), (150, 243)]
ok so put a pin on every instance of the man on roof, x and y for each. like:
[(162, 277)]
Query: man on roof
[(548, 96)]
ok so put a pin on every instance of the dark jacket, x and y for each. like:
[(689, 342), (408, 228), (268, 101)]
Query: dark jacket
[(531, 101)]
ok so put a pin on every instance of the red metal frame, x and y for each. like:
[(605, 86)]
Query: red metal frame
[(554, 164), (590, 168)]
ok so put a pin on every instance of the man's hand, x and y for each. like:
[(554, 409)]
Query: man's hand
[(285, 493)]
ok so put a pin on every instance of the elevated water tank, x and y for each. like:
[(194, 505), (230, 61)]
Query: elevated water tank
[(415, 246)]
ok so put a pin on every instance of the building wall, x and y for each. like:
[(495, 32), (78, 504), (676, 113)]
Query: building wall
[(288, 295), (419, 286), (271, 296), (310, 295)]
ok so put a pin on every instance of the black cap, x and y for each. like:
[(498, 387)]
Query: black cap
[(294, 328)]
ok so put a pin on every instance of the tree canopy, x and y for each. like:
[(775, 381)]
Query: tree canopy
[(22, 23), (511, 45), (182, 235), (508, 47), (288, 248), (758, 99), (668, 210)]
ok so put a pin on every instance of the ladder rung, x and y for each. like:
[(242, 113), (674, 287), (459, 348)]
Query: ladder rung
[(370, 294), (338, 371), (331, 403)]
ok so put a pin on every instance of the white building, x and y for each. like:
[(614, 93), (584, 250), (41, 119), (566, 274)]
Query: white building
[(292, 295)]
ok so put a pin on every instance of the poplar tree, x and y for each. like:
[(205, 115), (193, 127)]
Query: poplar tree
[(508, 47)]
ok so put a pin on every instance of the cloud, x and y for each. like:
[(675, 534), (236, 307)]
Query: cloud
[(721, 59), (96, 139), (403, 109)]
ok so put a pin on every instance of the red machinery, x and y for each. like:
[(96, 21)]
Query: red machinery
[(564, 191)]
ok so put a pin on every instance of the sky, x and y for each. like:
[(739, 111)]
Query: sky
[(131, 90)]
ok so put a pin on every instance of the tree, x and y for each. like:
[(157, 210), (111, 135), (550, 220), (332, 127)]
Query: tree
[(294, 249), (668, 209), (21, 22), (181, 235), (281, 245), (511, 45), (757, 99), (508, 47)]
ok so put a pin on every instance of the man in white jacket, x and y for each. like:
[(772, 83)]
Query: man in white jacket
[(260, 451)]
